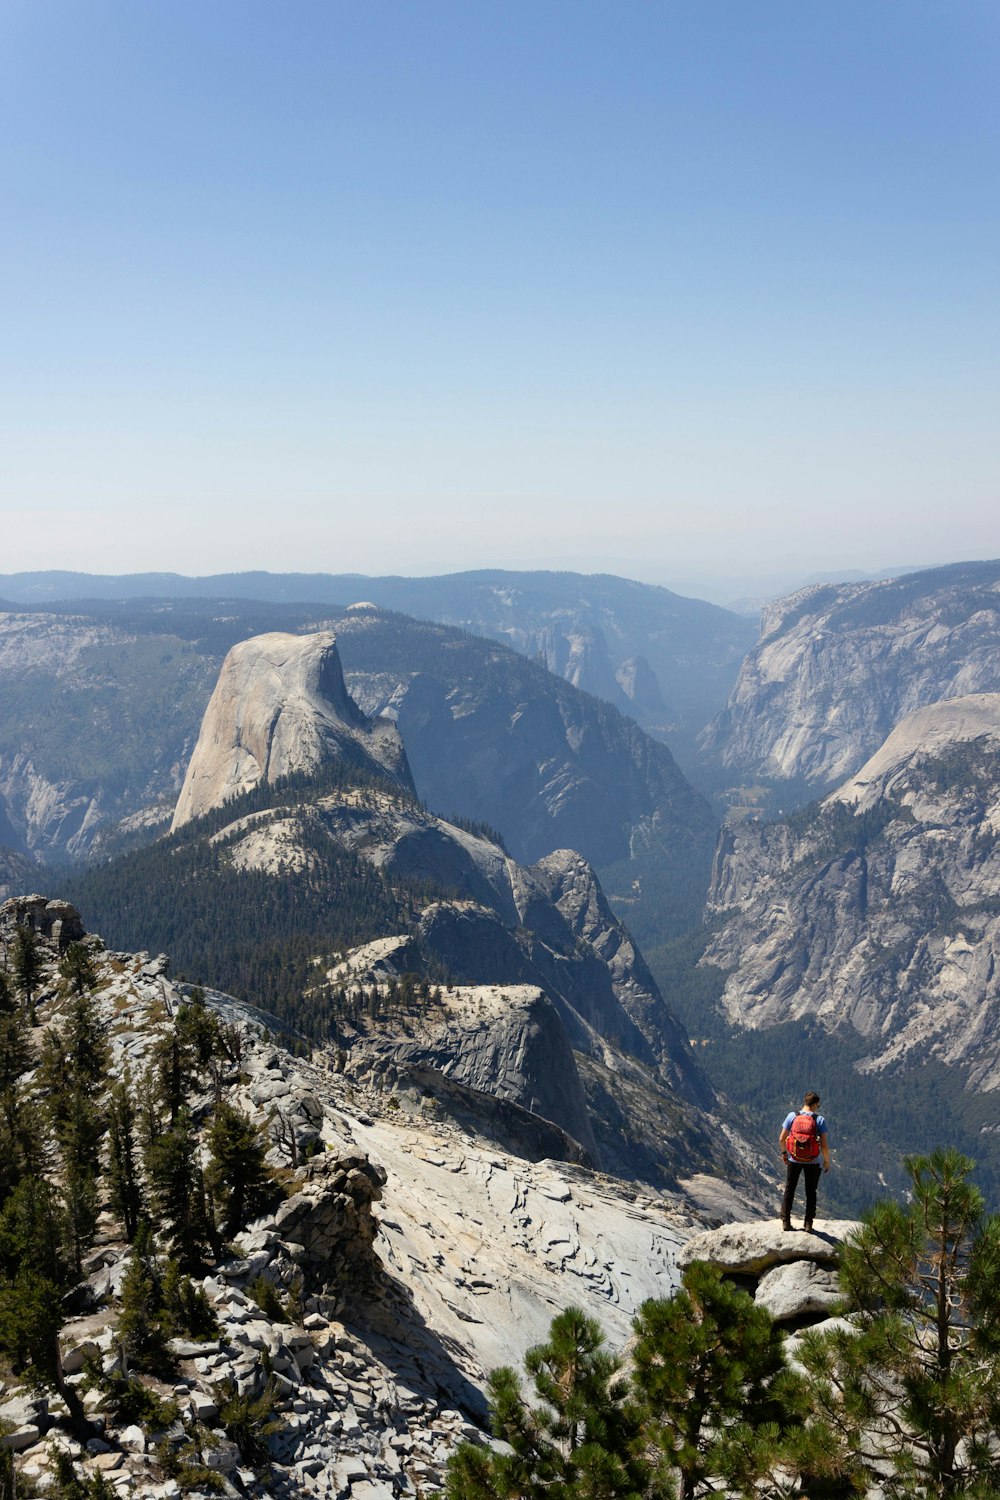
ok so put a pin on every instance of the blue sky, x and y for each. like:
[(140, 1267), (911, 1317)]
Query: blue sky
[(416, 286)]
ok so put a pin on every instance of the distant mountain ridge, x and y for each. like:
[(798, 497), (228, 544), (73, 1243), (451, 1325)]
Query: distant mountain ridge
[(667, 660), (879, 909), (100, 707)]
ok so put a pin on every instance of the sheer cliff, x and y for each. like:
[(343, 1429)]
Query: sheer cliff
[(878, 910), (838, 666)]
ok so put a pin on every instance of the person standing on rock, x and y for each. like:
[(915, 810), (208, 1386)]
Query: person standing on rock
[(803, 1137)]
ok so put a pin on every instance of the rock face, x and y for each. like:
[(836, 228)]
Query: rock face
[(17, 872), (548, 927), (793, 1275), (280, 706), (56, 920), (503, 1040), (879, 910), (837, 667), (573, 886), (330, 1220)]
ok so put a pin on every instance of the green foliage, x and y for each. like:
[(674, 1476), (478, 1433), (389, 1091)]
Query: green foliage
[(26, 961), (33, 1232), (916, 1390), (242, 930), (142, 1334), (710, 1378), (124, 1187), (478, 829), (581, 1438), (129, 1401), (77, 967), (268, 1299), (31, 1316), (84, 1041), (69, 1484), (23, 1140), (15, 1050), (177, 1192), (187, 1310), (241, 1183), (248, 1420)]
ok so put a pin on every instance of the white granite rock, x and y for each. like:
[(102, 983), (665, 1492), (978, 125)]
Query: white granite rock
[(797, 1289), (749, 1248)]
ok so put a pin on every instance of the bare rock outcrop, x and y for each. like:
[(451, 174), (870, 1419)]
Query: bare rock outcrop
[(329, 1227), (792, 1274), (56, 920), (280, 707)]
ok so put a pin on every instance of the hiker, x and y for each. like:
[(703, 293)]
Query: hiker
[(803, 1136)]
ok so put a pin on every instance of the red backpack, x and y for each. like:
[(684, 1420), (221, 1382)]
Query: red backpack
[(802, 1141)]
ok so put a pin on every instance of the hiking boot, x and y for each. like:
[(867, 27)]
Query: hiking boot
[(807, 1226), (786, 1223)]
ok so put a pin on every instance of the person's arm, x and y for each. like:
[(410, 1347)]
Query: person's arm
[(782, 1138), (824, 1144)]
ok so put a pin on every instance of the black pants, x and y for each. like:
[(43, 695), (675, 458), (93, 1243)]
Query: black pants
[(792, 1171)]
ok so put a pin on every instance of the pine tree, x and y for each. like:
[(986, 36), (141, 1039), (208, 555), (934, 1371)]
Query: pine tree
[(23, 1140), (77, 967), (238, 1177), (84, 1042), (177, 1191), (125, 1189), (15, 1049), (33, 1232), (709, 1373), (582, 1438), (186, 1307), (141, 1335), (26, 960), (915, 1391), (79, 1131)]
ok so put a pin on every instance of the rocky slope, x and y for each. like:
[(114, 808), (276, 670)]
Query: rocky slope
[(838, 666), (280, 706), (411, 1254), (879, 910), (586, 1033), (667, 660)]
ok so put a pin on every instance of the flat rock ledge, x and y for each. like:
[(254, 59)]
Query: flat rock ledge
[(792, 1274), (748, 1249)]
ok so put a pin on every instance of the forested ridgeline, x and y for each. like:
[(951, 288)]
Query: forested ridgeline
[(157, 1159), (250, 933)]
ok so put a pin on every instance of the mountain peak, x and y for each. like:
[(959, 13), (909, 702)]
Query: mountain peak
[(280, 706)]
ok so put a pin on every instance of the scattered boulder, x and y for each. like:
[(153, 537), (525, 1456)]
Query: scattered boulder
[(22, 1437), (798, 1289)]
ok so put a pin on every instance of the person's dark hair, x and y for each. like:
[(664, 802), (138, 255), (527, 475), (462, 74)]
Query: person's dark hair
[(811, 1100)]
